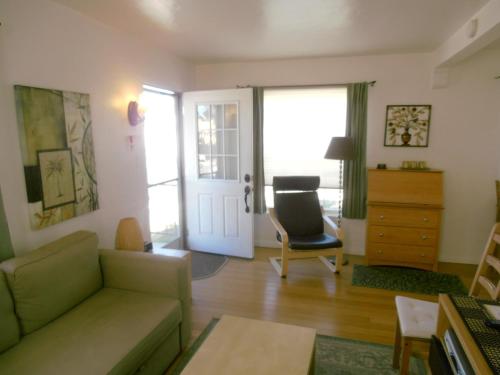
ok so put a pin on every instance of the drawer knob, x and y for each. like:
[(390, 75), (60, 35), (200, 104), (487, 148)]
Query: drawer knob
[(381, 217), (381, 234), (424, 237), (379, 251), (422, 255), (426, 219)]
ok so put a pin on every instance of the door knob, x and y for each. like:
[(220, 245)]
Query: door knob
[(247, 191), (247, 178)]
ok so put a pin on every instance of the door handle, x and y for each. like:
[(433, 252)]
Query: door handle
[(247, 191)]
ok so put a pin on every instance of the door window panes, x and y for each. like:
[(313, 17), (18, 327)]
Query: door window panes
[(218, 149)]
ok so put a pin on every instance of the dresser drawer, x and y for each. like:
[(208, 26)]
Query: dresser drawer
[(412, 217), (402, 235), (401, 253)]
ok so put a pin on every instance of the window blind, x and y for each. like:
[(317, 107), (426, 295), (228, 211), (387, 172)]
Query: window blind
[(298, 126)]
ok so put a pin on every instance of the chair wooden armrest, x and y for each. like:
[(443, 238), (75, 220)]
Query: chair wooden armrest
[(278, 226), (338, 232)]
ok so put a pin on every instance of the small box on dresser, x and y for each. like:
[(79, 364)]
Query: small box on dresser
[(404, 217)]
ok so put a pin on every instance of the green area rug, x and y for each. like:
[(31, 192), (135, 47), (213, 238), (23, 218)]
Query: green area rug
[(333, 356), (407, 280)]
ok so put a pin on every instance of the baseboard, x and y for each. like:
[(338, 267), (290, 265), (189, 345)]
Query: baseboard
[(267, 243)]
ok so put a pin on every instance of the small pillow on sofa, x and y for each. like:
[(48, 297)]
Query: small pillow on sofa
[(49, 281)]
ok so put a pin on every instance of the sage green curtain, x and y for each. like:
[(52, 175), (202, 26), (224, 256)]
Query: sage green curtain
[(6, 250), (355, 175), (259, 200)]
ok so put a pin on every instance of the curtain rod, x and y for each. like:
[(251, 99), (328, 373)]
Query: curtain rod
[(371, 83)]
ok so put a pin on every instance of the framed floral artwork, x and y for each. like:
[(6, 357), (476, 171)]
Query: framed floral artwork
[(407, 125)]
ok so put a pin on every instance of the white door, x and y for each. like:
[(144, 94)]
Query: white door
[(218, 164)]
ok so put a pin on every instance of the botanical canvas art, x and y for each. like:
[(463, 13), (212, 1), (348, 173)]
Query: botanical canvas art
[(55, 131), (56, 172), (407, 125)]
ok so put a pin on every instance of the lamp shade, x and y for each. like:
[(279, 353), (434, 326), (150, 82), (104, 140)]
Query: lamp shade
[(129, 235), (340, 148)]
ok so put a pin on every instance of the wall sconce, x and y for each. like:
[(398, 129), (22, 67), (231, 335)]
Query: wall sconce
[(135, 113)]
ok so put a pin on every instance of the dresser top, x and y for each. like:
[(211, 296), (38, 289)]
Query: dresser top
[(405, 186)]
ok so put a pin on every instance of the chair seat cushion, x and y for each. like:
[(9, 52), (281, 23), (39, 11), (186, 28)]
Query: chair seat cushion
[(112, 332), (417, 318), (314, 242)]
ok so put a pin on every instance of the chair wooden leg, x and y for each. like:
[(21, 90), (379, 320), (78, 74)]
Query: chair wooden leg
[(284, 261), (397, 347), (327, 263), (280, 264), (405, 360), (338, 261), (276, 263)]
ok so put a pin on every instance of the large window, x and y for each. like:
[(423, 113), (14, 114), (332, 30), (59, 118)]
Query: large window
[(298, 126)]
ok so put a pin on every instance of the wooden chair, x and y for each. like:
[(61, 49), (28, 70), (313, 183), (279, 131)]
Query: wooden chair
[(299, 221), (489, 262), (417, 319)]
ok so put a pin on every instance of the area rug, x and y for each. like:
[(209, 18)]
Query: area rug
[(205, 265), (334, 355), (407, 280)]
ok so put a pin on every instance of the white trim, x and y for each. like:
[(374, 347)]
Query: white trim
[(158, 90)]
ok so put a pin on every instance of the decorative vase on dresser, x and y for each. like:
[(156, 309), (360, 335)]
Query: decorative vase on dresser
[(404, 217)]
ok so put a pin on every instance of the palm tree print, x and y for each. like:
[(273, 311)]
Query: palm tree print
[(55, 169)]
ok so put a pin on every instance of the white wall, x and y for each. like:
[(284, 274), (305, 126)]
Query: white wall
[(463, 133), (48, 45)]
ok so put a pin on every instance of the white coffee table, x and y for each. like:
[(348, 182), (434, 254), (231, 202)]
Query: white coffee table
[(239, 346)]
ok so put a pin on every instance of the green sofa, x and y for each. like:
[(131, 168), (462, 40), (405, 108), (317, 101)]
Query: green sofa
[(69, 308)]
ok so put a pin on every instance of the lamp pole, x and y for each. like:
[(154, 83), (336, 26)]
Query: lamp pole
[(340, 148)]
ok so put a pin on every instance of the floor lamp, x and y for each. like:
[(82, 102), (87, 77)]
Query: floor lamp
[(340, 148)]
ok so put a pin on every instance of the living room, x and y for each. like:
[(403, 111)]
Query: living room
[(54, 44)]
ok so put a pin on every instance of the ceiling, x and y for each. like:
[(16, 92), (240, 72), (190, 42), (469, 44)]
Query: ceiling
[(236, 30)]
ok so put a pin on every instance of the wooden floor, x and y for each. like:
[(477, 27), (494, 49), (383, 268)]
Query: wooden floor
[(311, 296)]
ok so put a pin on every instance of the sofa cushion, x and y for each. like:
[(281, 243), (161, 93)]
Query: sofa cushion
[(112, 332), (49, 281), (9, 329)]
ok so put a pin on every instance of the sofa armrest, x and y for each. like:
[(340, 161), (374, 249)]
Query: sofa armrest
[(153, 274)]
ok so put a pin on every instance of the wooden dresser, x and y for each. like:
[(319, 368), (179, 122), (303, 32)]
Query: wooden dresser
[(404, 217)]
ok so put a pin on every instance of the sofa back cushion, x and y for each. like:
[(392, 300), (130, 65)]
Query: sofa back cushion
[(9, 328), (54, 278)]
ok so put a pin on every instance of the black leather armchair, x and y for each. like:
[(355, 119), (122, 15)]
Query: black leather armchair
[(299, 221)]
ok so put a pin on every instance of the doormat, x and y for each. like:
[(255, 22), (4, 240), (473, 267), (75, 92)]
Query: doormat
[(407, 280), (334, 355), (205, 265)]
